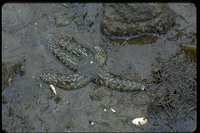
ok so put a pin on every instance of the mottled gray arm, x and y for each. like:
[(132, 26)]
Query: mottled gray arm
[(65, 81), (116, 82)]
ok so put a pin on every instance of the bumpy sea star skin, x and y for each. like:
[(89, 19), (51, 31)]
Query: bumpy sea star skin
[(86, 67)]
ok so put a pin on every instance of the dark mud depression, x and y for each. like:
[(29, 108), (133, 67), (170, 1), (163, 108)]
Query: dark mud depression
[(155, 46)]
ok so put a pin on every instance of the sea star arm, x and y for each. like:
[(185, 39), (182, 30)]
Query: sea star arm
[(116, 82), (66, 58), (100, 56), (68, 44), (65, 81)]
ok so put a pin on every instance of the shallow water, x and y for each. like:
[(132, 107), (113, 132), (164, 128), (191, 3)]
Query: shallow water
[(30, 104)]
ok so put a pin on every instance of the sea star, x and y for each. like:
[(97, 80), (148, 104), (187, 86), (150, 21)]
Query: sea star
[(86, 66)]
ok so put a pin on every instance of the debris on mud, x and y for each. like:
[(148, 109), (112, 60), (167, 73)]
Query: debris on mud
[(10, 68)]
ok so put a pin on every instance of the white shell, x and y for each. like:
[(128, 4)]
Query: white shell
[(53, 89), (139, 121), (112, 110)]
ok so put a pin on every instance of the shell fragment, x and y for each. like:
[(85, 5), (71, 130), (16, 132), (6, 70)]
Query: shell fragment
[(53, 89), (112, 110), (139, 121)]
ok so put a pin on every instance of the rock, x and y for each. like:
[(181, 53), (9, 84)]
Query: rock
[(62, 19), (190, 51), (9, 69), (135, 18)]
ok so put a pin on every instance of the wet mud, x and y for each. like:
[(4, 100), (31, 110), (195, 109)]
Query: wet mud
[(164, 61)]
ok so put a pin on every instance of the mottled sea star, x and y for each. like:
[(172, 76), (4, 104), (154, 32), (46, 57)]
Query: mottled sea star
[(86, 66)]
